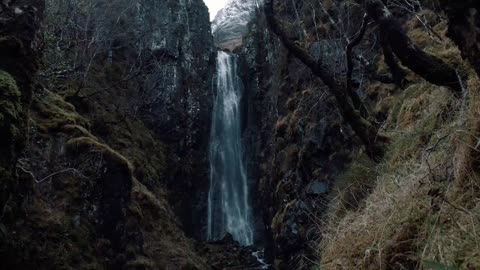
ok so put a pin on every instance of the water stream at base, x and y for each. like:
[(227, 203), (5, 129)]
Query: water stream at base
[(229, 209), (260, 258)]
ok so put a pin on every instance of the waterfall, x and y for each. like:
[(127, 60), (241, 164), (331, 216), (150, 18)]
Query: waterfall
[(228, 203)]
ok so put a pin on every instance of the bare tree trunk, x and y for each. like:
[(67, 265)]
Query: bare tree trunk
[(431, 68), (357, 102), (398, 74), (367, 132), (464, 28)]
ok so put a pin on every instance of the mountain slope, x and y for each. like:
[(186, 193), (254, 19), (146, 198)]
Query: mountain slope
[(230, 23)]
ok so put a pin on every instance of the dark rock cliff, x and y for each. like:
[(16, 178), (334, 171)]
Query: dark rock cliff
[(111, 165), (181, 101), (21, 43), (105, 113), (20, 50), (304, 160), (297, 145)]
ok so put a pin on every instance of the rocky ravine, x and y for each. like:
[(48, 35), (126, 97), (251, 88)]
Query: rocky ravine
[(114, 123), (105, 130), (293, 127), (111, 170), (288, 125), (292, 124)]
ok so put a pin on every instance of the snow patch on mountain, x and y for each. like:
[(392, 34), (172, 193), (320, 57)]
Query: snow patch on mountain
[(230, 23)]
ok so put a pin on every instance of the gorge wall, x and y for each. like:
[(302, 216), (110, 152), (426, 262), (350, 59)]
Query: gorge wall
[(297, 144), (308, 171), (105, 121), (182, 87), (114, 75), (293, 126)]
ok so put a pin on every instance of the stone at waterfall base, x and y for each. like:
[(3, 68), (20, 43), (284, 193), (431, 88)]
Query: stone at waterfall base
[(228, 254)]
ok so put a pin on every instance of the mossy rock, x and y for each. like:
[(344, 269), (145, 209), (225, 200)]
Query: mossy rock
[(12, 117), (9, 98), (53, 114), (87, 144), (8, 86)]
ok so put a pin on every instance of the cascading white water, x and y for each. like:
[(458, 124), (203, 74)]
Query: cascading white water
[(228, 203)]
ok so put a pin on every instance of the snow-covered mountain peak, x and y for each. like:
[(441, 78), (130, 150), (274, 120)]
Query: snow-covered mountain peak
[(230, 23)]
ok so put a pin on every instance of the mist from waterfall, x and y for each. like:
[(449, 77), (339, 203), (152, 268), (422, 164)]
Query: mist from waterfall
[(228, 202)]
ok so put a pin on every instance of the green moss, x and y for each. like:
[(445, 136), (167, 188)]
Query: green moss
[(9, 98), (12, 122), (8, 86), (52, 113), (12, 117), (77, 131), (135, 141), (86, 143)]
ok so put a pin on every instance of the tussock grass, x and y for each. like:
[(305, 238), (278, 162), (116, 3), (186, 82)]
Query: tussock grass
[(425, 201), (421, 205)]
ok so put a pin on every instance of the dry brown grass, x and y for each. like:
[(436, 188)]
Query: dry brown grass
[(425, 201), (467, 155)]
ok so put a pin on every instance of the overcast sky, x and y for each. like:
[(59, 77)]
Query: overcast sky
[(214, 6)]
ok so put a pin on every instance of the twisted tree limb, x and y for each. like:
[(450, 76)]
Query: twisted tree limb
[(398, 74), (367, 133), (350, 66), (464, 28), (428, 66)]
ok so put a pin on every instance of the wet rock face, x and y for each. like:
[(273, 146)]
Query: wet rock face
[(180, 99), (297, 145), (77, 202), (231, 23), (20, 51)]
